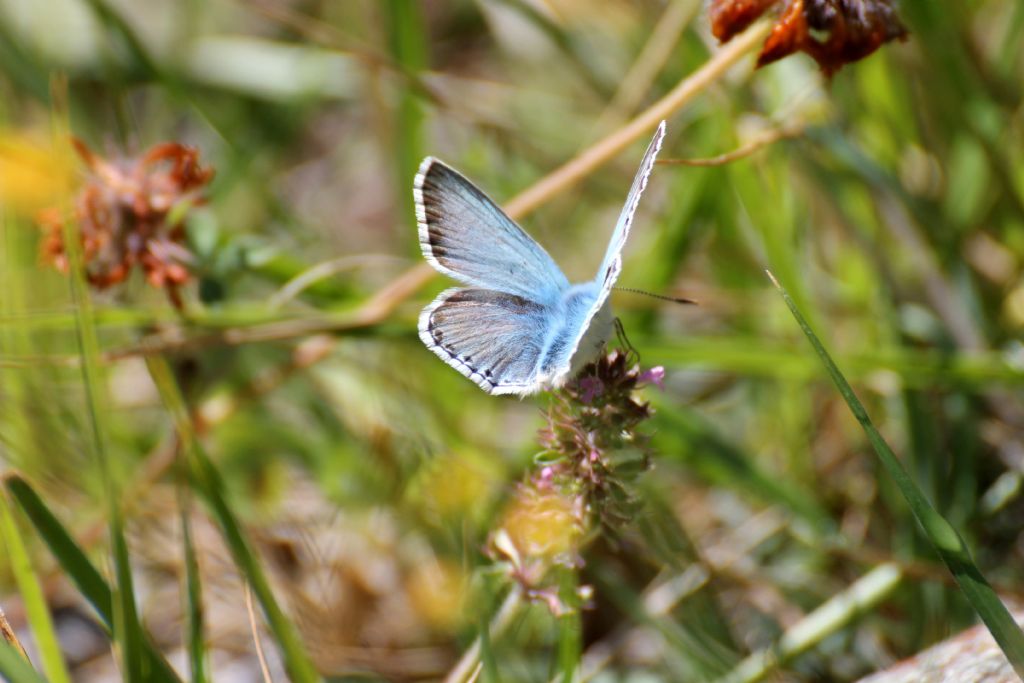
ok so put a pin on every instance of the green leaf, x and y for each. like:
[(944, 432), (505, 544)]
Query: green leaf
[(943, 536), (16, 668), (32, 597), (81, 571)]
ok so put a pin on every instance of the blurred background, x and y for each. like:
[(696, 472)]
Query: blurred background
[(888, 199)]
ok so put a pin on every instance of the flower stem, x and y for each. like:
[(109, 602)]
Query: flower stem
[(468, 666)]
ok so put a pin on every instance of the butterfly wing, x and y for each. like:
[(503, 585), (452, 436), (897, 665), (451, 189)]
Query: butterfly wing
[(466, 236), (589, 328), (493, 338), (612, 263)]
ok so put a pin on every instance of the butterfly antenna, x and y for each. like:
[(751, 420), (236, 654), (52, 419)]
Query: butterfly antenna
[(673, 299), (632, 355)]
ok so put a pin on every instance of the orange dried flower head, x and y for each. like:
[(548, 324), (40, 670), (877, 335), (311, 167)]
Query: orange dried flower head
[(126, 216), (833, 32)]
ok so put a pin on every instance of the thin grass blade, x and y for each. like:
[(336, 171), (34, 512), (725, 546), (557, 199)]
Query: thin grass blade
[(32, 597), (405, 37), (14, 667), (193, 592), (948, 543), (126, 627), (206, 480), (80, 570), (488, 663), (570, 636)]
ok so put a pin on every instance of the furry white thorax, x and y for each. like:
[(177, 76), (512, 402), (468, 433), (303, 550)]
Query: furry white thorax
[(594, 339)]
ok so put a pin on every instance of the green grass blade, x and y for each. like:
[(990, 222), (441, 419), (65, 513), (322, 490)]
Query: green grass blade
[(488, 662), (67, 553), (14, 667), (32, 597), (405, 30), (80, 570), (948, 543), (570, 635), (206, 479), (479, 657), (193, 592), (127, 630)]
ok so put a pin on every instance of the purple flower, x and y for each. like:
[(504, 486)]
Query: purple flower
[(655, 376), (590, 388)]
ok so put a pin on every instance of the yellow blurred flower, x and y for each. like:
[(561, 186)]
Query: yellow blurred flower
[(437, 591), (456, 485), (543, 524), (32, 174), (1013, 306)]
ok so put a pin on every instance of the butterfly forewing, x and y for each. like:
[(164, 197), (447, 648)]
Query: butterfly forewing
[(494, 338), (614, 252), (612, 264), (465, 235)]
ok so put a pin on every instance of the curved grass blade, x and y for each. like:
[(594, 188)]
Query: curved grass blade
[(32, 597), (14, 667), (127, 627), (81, 571), (206, 480), (193, 591), (947, 542)]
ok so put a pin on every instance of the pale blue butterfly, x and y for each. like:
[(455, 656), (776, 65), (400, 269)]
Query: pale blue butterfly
[(520, 326)]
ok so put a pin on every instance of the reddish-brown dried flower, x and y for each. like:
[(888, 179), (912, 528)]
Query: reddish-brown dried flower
[(833, 32), (126, 216)]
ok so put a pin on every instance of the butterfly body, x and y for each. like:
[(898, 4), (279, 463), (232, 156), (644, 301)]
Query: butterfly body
[(519, 326), (563, 348)]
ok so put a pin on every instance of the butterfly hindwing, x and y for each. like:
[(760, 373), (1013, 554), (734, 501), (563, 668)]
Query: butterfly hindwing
[(465, 235), (493, 338)]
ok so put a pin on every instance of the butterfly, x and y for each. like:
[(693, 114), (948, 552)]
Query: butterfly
[(520, 326)]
